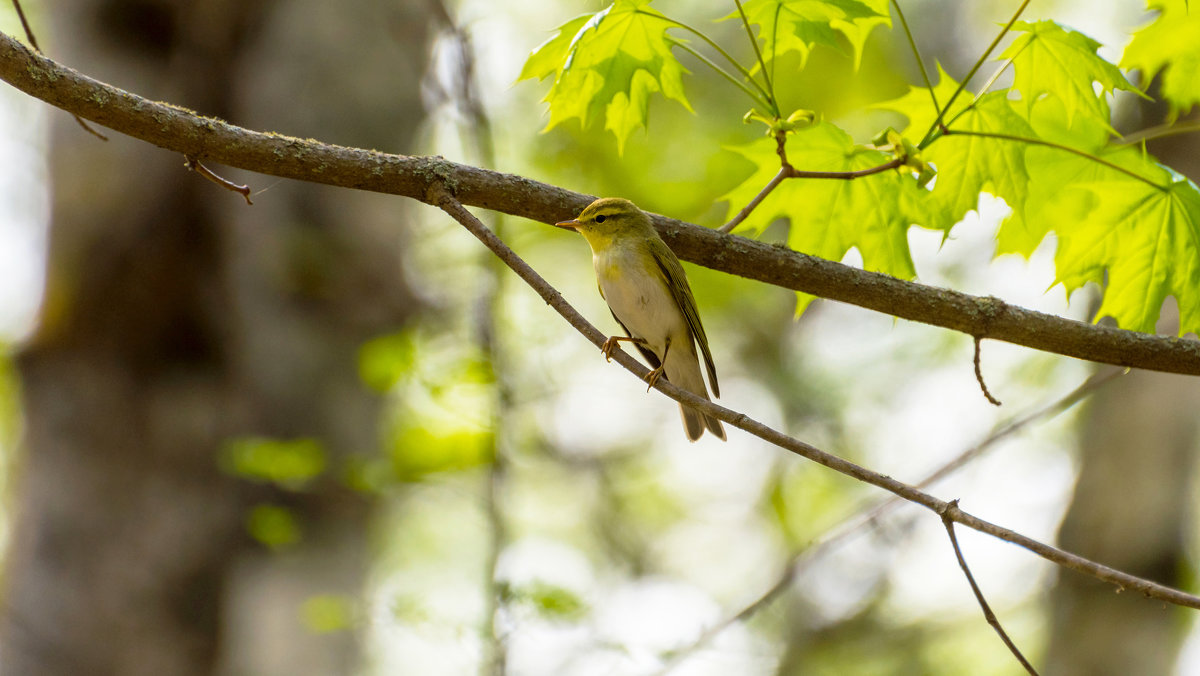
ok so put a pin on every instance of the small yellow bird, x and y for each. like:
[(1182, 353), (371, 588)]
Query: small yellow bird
[(647, 291)]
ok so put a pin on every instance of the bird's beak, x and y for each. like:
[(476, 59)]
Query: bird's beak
[(572, 224)]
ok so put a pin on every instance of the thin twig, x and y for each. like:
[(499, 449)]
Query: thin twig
[(440, 196), (34, 43), (25, 25), (762, 194), (787, 171), (196, 166), (861, 517), (979, 374), (983, 604)]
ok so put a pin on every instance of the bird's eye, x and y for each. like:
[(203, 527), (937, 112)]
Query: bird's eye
[(600, 218)]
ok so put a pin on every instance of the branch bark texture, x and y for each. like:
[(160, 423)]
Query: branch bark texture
[(186, 132)]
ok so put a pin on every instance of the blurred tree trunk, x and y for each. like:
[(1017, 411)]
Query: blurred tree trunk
[(177, 318), (1130, 510)]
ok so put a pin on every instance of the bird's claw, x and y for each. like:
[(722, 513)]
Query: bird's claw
[(653, 376), (609, 345)]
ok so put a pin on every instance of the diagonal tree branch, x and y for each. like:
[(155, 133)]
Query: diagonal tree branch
[(871, 513), (183, 131), (439, 195)]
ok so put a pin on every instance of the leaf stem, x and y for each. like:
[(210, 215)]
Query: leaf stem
[(912, 43), (757, 96), (1057, 146), (1157, 132), (937, 124), (711, 43), (991, 80), (761, 62), (986, 86)]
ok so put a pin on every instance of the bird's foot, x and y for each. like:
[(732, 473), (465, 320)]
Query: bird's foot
[(614, 342), (653, 376)]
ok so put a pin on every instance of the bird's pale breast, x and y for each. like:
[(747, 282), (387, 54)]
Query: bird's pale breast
[(636, 291)]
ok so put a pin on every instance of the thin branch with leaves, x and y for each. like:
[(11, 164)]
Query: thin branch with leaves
[(183, 131)]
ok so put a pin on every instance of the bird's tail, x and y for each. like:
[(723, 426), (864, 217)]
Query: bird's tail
[(695, 422), (683, 369)]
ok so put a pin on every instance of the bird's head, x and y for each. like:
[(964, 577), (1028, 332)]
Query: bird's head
[(608, 219)]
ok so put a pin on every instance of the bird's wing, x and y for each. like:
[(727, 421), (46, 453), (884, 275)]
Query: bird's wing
[(677, 282)]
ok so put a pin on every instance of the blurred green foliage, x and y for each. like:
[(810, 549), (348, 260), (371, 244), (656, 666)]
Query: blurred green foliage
[(328, 613), (288, 463), (448, 399), (274, 526)]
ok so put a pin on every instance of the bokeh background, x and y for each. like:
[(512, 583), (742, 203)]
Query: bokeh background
[(330, 434)]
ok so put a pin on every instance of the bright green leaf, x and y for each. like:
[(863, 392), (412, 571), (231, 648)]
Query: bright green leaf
[(548, 58), (1171, 44), (858, 30), (607, 65), (1050, 60), (1057, 177), (830, 216), (1147, 240), (969, 164), (799, 25)]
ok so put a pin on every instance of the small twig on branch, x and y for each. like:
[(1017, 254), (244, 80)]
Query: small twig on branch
[(983, 604), (34, 43), (195, 165), (788, 171), (979, 373), (741, 215), (861, 517), (439, 195)]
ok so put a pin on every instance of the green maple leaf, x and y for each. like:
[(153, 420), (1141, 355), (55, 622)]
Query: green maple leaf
[(968, 165), (1058, 178), (859, 29), (1050, 60), (1172, 45), (799, 25), (1147, 239), (606, 66), (830, 216)]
